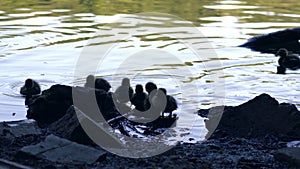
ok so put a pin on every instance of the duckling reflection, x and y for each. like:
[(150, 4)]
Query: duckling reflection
[(287, 61)]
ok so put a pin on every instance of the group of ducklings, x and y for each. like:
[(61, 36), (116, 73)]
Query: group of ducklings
[(141, 100), (124, 94)]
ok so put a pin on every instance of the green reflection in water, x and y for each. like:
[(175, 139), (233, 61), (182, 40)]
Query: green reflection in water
[(190, 10)]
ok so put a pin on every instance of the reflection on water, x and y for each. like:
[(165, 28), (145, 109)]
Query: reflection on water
[(43, 40)]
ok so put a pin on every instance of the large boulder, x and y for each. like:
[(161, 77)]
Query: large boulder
[(260, 117), (58, 150), (70, 127), (55, 101), (270, 43)]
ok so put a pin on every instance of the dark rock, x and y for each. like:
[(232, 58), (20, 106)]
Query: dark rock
[(257, 118), (6, 164), (54, 102), (51, 105), (272, 42), (20, 128), (290, 155), (58, 150), (69, 127)]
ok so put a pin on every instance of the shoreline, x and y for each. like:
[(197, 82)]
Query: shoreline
[(257, 149)]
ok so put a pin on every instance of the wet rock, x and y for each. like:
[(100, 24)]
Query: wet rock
[(54, 102), (69, 127), (58, 150), (257, 118), (272, 42), (10, 131), (290, 155), (20, 128), (6, 164), (51, 105)]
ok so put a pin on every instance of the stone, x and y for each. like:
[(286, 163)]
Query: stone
[(55, 101), (59, 150), (9, 131), (257, 118), (290, 155), (270, 43), (6, 164), (69, 127)]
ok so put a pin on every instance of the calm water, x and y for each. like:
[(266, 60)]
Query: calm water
[(192, 52)]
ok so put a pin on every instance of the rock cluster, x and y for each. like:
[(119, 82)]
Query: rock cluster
[(257, 118)]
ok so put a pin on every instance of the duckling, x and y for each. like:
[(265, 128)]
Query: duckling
[(101, 83), (30, 88), (150, 86), (90, 81), (97, 83), (124, 92), (138, 99), (287, 61), (171, 103)]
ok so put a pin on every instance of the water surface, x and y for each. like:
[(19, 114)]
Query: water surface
[(44, 40)]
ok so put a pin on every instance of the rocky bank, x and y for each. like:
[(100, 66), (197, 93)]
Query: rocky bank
[(252, 135)]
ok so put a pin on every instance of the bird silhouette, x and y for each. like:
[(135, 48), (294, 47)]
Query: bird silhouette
[(30, 89), (171, 103), (287, 61), (138, 99), (124, 92), (150, 86), (97, 83)]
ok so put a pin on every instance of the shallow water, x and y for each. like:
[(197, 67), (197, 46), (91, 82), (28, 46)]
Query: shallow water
[(192, 51)]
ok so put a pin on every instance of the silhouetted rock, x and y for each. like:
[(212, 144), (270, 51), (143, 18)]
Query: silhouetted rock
[(58, 150), (54, 102), (291, 155), (69, 127), (272, 42), (9, 131), (51, 105), (257, 118)]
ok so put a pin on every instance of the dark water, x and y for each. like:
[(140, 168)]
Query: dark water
[(191, 51)]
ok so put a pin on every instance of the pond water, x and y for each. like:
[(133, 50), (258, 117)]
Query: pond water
[(188, 47)]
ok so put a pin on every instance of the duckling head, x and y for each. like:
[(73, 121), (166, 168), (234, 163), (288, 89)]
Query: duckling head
[(282, 52), (125, 82), (139, 88), (150, 86), (28, 83)]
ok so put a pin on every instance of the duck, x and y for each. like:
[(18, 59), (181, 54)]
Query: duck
[(139, 97), (171, 104), (287, 61), (30, 88), (124, 93), (97, 83)]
